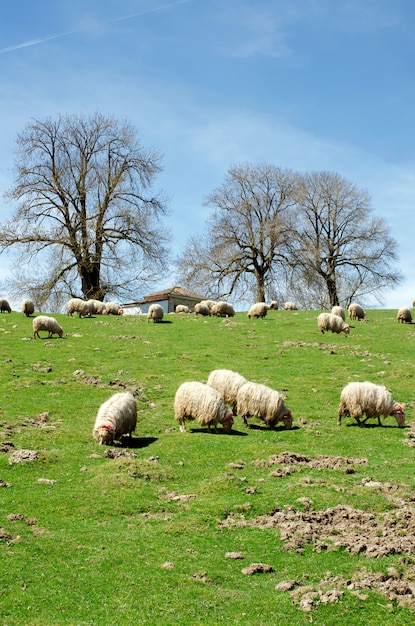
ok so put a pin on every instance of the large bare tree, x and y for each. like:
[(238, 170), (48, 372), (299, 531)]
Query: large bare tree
[(245, 242), (339, 243), (87, 219)]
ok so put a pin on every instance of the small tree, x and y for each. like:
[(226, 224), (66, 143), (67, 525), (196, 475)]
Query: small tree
[(246, 236), (86, 219)]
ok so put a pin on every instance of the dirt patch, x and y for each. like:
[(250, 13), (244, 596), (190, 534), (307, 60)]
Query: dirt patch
[(292, 459), (26, 456)]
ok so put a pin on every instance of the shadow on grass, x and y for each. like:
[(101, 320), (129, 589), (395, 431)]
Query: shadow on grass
[(274, 428), (136, 442), (220, 431), (370, 426)]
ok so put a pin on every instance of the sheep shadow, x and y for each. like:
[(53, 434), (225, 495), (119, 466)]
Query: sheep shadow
[(135, 442), (370, 426), (220, 431), (280, 428)]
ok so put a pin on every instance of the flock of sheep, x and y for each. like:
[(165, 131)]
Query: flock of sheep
[(226, 393)]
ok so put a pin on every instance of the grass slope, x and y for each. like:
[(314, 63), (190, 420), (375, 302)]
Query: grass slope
[(143, 538)]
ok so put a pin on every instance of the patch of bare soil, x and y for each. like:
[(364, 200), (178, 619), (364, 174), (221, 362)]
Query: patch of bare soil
[(292, 460), (395, 585), (19, 456)]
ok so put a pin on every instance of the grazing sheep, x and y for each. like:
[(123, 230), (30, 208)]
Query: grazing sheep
[(259, 309), (85, 309), (27, 307), (273, 305), (256, 400), (116, 417), (356, 312), (97, 306), (112, 308), (182, 308), (373, 400), (208, 303), (155, 313), (194, 400), (328, 321), (338, 310), (404, 315), (5, 306), (227, 383), (222, 309), (43, 322), (290, 306), (72, 306), (202, 309)]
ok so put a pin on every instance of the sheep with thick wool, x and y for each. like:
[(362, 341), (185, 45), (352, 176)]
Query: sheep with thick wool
[(227, 383), (222, 309), (97, 306), (202, 309), (44, 322), (356, 312), (116, 417), (28, 307), (155, 313), (404, 315), (328, 321), (208, 303), (72, 306), (273, 305), (182, 308), (372, 400), (290, 306), (259, 309), (113, 308), (339, 311), (257, 400), (200, 402)]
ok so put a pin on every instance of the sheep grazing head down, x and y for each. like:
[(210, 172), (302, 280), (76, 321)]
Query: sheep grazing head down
[(399, 414), (106, 434), (227, 422)]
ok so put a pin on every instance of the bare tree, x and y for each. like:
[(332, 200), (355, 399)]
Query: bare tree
[(246, 235), (86, 218), (339, 242)]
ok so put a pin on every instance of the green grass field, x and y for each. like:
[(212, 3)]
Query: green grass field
[(144, 537)]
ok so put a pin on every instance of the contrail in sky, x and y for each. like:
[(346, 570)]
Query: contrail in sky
[(35, 42)]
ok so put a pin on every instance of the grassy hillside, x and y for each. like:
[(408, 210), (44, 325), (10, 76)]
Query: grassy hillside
[(100, 535)]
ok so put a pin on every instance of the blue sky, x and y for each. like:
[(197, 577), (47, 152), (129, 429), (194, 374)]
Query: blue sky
[(302, 84)]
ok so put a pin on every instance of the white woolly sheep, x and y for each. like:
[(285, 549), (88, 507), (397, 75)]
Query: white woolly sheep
[(5, 306), (227, 383), (202, 309), (259, 309), (85, 309), (97, 306), (155, 313), (273, 305), (328, 321), (116, 417), (222, 309), (27, 307), (356, 312), (339, 311), (43, 322), (256, 400), (194, 400), (404, 315), (372, 400), (72, 306), (290, 306), (182, 308), (208, 303), (112, 308)]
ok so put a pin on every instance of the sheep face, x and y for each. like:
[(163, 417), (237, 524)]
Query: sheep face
[(399, 414), (105, 434), (227, 422)]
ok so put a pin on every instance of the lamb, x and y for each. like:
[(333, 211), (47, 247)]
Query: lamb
[(182, 308), (112, 308), (328, 321), (27, 307), (202, 309), (227, 383), (373, 400), (273, 305), (155, 313), (5, 306), (43, 322), (116, 417), (194, 400), (222, 309), (404, 315), (259, 309), (290, 306), (356, 312), (256, 400), (338, 310)]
